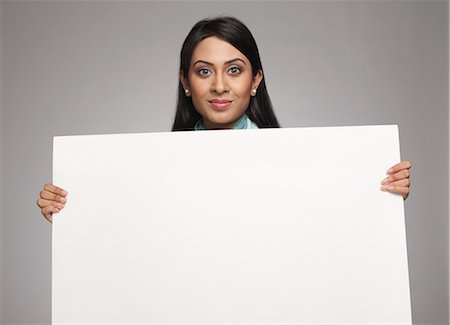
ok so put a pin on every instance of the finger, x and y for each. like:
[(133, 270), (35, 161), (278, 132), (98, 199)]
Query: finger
[(405, 164), (55, 189), (48, 211), (402, 182), (402, 174), (44, 203), (396, 189), (46, 195)]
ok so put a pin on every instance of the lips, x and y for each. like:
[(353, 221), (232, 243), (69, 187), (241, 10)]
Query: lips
[(220, 104)]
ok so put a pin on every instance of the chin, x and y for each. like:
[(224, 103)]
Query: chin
[(223, 119)]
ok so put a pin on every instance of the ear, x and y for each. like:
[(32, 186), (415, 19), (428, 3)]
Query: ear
[(256, 81), (185, 84)]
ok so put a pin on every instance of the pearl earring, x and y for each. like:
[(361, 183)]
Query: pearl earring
[(254, 91), (186, 91)]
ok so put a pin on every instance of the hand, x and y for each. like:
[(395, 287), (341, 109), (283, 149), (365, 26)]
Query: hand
[(398, 179), (51, 200)]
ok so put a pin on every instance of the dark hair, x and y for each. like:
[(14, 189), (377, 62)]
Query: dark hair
[(237, 34)]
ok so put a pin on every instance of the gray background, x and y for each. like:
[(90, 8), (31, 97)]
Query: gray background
[(111, 67)]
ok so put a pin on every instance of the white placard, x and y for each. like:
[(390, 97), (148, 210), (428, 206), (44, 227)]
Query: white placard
[(268, 226)]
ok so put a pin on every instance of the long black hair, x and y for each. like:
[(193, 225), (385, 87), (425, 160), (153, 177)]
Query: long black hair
[(237, 34)]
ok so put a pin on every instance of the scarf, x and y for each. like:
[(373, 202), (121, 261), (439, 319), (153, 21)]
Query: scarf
[(244, 122)]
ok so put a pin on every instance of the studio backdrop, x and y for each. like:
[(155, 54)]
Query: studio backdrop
[(112, 67)]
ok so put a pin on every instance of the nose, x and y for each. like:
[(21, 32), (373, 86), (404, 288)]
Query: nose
[(219, 84)]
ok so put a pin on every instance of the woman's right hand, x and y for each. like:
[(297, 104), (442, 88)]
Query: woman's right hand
[(51, 200)]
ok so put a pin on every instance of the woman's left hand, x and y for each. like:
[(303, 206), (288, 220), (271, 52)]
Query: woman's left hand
[(398, 179)]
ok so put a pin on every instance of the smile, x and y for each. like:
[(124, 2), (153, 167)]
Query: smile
[(220, 104)]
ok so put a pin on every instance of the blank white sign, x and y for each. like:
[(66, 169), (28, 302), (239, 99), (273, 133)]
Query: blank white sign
[(268, 226)]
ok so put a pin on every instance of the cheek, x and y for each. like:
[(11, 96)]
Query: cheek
[(243, 87), (198, 90), (244, 93), (198, 86)]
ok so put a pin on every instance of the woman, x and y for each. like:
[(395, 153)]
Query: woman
[(221, 86)]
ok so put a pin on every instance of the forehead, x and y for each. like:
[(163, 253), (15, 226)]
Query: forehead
[(216, 50)]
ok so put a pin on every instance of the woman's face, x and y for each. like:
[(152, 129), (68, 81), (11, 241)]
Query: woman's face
[(220, 82)]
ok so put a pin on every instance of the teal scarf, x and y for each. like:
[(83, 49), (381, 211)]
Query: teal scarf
[(243, 123)]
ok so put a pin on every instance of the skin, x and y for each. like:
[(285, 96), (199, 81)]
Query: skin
[(52, 199), (398, 179), (220, 71)]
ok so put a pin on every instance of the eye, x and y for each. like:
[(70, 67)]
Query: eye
[(204, 72), (235, 70)]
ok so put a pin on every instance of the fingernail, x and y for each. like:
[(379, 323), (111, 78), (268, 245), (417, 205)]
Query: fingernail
[(64, 192), (390, 188), (390, 170), (59, 206), (383, 188), (62, 200), (57, 210), (384, 181)]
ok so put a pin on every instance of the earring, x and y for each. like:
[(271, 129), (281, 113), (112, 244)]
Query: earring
[(254, 91), (186, 91)]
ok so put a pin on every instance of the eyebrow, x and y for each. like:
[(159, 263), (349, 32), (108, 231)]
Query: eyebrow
[(228, 62)]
